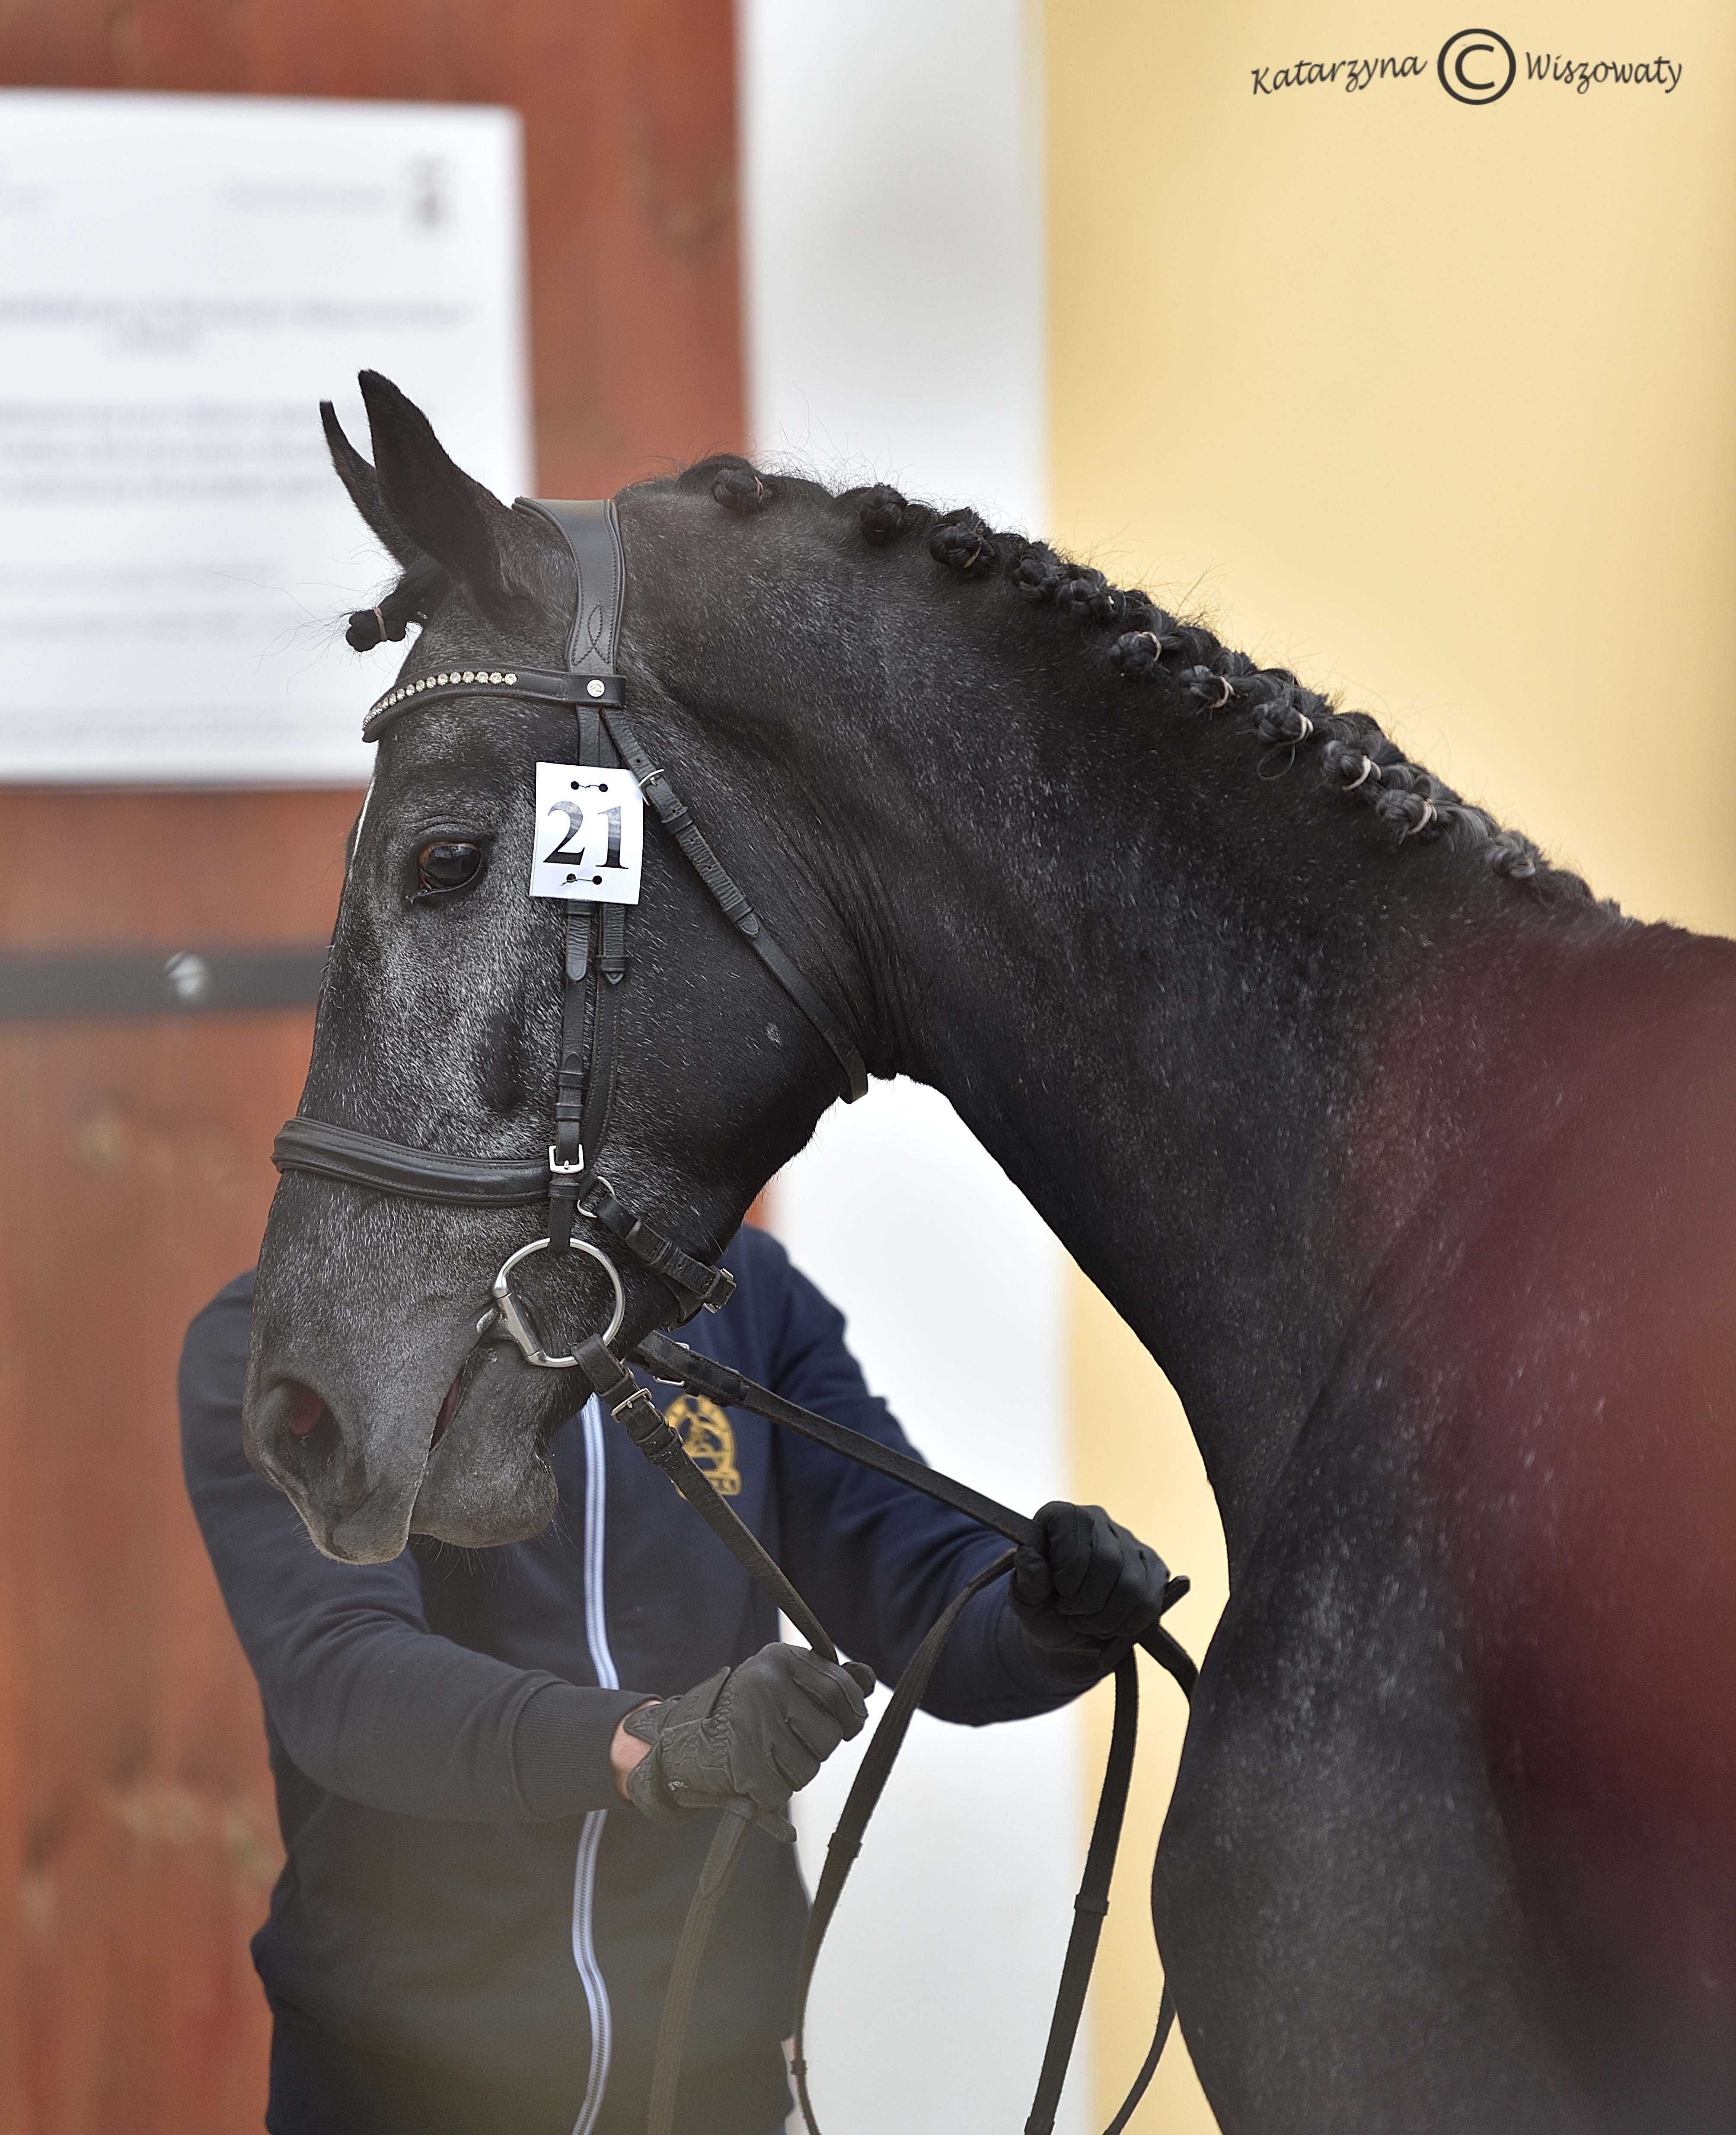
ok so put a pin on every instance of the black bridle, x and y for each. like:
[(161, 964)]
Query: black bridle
[(594, 968)]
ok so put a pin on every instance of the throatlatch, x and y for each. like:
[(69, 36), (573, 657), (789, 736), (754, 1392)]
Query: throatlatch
[(594, 971)]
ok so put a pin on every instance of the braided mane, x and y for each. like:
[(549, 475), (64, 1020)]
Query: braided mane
[(1355, 759)]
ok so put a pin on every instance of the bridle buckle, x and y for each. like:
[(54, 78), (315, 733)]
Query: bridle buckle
[(564, 1171)]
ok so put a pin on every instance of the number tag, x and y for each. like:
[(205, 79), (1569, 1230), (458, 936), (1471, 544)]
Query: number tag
[(590, 833)]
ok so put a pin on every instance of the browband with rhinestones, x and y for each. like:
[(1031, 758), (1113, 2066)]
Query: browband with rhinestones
[(540, 685)]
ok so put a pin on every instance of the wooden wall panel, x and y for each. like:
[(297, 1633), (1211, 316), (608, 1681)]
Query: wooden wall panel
[(138, 1158), (136, 1839)]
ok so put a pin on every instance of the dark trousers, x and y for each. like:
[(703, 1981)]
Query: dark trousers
[(318, 2087)]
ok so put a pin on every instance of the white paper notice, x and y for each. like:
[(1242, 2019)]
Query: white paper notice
[(182, 280), (589, 845)]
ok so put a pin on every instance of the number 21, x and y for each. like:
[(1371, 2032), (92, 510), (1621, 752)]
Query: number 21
[(580, 830)]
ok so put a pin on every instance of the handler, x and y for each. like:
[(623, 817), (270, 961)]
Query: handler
[(471, 1934)]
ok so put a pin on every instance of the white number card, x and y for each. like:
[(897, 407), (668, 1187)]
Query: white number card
[(590, 833)]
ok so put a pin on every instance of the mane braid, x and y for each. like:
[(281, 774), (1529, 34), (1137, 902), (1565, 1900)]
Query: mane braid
[(1356, 760)]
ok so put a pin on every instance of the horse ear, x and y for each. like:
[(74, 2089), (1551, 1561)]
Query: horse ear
[(442, 512), (363, 484)]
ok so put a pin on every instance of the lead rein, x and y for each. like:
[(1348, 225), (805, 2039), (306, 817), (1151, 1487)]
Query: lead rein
[(675, 1364)]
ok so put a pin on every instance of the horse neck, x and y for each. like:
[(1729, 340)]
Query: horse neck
[(1221, 1034)]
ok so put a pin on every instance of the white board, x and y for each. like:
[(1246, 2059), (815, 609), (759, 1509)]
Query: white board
[(183, 279)]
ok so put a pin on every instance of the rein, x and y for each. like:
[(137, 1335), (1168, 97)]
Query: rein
[(595, 966)]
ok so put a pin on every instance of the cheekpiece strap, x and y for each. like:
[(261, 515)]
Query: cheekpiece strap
[(596, 960)]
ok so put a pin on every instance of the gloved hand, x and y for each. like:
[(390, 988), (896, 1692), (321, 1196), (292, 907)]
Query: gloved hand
[(760, 1730), (1085, 1592)]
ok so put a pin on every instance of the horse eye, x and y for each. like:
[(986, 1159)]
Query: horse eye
[(447, 865)]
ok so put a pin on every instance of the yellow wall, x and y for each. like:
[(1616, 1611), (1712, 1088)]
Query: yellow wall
[(1436, 404)]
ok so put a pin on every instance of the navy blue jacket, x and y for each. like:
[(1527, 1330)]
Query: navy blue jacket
[(472, 1931)]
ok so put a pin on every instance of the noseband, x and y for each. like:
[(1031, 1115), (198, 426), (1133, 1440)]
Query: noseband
[(594, 969)]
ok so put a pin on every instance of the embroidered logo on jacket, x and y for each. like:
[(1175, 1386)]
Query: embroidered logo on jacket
[(709, 1438)]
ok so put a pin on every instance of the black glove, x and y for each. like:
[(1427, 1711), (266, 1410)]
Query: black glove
[(758, 1732), (1085, 1591)]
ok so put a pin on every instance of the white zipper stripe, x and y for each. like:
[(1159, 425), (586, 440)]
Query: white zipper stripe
[(597, 1621), (590, 1972), (597, 1489), (590, 1837)]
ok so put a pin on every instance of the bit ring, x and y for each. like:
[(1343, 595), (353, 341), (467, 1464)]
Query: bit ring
[(504, 1312)]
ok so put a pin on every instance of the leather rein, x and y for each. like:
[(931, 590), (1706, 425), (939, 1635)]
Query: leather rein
[(594, 968)]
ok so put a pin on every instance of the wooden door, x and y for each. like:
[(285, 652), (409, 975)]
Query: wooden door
[(137, 1838)]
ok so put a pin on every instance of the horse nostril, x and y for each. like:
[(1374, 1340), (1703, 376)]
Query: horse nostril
[(294, 1438), (305, 1412)]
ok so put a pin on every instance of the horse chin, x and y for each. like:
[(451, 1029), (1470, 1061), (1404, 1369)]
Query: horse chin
[(488, 1479)]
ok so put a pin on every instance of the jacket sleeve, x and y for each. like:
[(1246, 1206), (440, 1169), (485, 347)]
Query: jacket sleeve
[(365, 1700), (878, 1561)]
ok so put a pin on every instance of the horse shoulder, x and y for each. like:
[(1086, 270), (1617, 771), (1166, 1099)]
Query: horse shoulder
[(1585, 1463)]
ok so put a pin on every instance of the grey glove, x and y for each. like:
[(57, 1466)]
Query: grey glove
[(1085, 1592), (757, 1732)]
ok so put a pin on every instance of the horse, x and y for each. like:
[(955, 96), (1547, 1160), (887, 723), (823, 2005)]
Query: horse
[(1404, 1155)]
